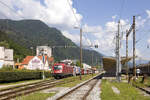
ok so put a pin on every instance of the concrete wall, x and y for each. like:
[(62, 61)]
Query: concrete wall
[(9, 63), (2, 53), (6, 57), (9, 54)]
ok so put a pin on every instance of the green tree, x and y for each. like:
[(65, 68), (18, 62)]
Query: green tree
[(78, 64), (4, 44)]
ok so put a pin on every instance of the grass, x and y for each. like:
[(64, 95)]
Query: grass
[(148, 81), (44, 96), (36, 96), (76, 80), (127, 91), (138, 82)]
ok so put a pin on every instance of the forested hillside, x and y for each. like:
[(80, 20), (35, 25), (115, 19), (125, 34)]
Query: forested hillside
[(19, 51), (32, 33)]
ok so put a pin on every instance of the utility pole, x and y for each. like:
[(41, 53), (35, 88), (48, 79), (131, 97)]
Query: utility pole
[(118, 63), (96, 61), (43, 60), (80, 51), (92, 57), (127, 53), (134, 40)]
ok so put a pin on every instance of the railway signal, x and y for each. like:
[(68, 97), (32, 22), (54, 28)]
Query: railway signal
[(147, 46), (96, 46)]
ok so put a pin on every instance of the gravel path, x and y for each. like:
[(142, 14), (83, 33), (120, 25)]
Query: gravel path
[(95, 93), (80, 92), (56, 90)]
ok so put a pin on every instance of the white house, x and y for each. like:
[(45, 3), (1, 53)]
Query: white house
[(37, 62), (6, 57)]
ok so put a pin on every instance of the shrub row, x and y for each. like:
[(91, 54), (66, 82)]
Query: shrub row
[(13, 76)]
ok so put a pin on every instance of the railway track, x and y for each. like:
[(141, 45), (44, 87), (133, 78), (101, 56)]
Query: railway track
[(80, 92), (10, 93), (146, 90)]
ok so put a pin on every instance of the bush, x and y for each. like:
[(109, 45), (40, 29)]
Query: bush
[(6, 68), (13, 76)]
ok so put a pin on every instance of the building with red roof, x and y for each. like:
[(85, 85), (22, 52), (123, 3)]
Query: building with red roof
[(37, 62)]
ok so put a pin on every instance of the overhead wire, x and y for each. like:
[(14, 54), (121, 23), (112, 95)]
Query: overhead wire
[(3, 15), (77, 21), (120, 16), (11, 9), (122, 8)]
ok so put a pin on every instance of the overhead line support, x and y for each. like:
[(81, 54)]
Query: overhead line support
[(128, 32), (134, 41)]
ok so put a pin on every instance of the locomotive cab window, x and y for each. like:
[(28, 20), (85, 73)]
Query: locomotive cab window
[(57, 67)]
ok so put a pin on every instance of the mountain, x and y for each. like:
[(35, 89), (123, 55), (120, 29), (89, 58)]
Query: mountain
[(19, 51), (32, 33), (138, 62)]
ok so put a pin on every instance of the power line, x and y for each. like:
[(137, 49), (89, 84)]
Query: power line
[(122, 8), (11, 9), (3, 15), (77, 21)]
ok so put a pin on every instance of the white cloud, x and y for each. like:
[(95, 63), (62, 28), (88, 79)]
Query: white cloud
[(76, 38), (57, 13), (140, 22), (114, 17), (53, 12), (148, 41), (148, 13), (91, 29), (138, 53)]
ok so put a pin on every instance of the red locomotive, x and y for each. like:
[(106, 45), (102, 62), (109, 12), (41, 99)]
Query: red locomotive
[(62, 70)]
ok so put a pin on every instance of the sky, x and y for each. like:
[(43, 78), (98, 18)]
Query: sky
[(97, 18)]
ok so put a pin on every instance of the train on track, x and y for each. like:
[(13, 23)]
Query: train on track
[(143, 69), (61, 70)]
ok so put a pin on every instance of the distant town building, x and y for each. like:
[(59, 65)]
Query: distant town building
[(37, 62), (6, 57), (43, 50), (67, 61), (86, 66)]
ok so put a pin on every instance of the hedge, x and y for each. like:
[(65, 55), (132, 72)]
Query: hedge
[(13, 76)]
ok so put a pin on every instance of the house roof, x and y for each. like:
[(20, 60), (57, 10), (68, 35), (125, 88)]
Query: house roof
[(28, 58)]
